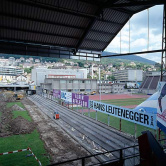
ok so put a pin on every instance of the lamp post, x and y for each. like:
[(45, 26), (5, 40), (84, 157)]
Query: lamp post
[(100, 82)]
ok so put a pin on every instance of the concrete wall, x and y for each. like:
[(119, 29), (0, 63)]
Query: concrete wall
[(73, 85), (135, 75), (118, 88), (39, 74)]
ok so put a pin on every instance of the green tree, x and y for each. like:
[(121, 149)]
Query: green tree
[(89, 77), (28, 70), (80, 64), (111, 78)]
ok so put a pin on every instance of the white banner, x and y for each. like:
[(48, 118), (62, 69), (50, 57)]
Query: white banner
[(142, 118), (66, 96)]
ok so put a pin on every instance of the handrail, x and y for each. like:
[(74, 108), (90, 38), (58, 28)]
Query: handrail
[(121, 158)]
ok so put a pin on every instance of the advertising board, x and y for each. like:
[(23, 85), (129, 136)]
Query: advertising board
[(66, 96), (57, 93), (80, 99), (138, 117)]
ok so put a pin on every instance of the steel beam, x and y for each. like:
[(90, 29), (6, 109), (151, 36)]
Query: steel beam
[(163, 55), (98, 12), (117, 32), (37, 32), (53, 8), (33, 43), (124, 11), (55, 23), (105, 33), (136, 3), (110, 22), (15, 16), (42, 49)]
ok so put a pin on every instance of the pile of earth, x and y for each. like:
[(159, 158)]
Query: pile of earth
[(17, 108), (6, 116), (20, 125), (6, 97)]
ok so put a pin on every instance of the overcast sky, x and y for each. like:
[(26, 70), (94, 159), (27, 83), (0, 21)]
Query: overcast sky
[(139, 34)]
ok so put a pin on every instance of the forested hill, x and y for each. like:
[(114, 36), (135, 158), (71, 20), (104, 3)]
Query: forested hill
[(127, 58), (130, 57)]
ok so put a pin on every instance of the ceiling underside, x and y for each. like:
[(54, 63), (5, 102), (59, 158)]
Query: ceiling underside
[(57, 27)]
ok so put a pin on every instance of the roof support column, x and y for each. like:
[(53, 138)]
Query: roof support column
[(163, 58)]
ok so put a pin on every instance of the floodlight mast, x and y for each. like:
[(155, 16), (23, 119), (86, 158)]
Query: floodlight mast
[(163, 58)]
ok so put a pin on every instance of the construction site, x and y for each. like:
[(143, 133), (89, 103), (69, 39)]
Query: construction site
[(47, 125)]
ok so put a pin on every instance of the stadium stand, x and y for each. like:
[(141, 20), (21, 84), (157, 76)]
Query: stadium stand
[(149, 85)]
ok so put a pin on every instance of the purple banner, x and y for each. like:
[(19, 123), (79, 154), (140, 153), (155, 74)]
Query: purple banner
[(80, 99), (57, 93)]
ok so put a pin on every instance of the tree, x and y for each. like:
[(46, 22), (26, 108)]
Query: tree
[(80, 64), (28, 70), (89, 77), (111, 78)]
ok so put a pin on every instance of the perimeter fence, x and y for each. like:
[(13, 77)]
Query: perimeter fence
[(122, 125)]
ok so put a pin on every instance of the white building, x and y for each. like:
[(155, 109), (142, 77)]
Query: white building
[(8, 74), (4, 62), (10, 70), (39, 74), (129, 75), (111, 88), (37, 60), (21, 78), (12, 61), (107, 74), (59, 64)]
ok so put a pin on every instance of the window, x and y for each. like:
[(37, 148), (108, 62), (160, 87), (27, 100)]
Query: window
[(62, 81), (88, 81), (83, 81), (75, 81)]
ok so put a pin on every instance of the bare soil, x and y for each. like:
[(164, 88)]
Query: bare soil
[(58, 143), (9, 126), (20, 125)]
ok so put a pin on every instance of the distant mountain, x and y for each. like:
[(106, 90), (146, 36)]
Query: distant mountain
[(129, 57)]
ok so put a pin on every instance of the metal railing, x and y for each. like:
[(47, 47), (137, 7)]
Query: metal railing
[(120, 160)]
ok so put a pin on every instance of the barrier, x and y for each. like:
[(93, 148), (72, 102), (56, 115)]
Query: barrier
[(22, 150)]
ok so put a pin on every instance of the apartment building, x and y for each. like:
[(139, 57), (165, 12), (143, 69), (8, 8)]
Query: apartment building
[(10, 70), (129, 75), (111, 88), (9, 73)]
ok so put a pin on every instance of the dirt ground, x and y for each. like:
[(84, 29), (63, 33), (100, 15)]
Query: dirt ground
[(9, 126), (60, 145)]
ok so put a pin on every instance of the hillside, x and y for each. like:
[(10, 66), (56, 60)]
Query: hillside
[(127, 59), (130, 57)]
